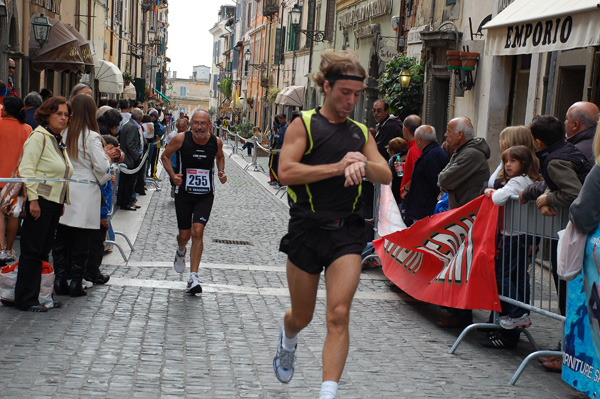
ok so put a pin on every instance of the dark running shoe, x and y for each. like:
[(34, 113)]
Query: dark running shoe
[(501, 339)]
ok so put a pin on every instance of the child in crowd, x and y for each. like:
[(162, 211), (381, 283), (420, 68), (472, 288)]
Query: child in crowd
[(97, 237), (398, 149), (512, 276)]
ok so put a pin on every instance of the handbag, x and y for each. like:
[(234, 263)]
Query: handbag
[(13, 198), (571, 250)]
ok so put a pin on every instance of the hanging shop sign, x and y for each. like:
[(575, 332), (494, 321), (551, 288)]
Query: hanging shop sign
[(387, 53), (364, 12)]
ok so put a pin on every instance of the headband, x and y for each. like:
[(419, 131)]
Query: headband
[(334, 77)]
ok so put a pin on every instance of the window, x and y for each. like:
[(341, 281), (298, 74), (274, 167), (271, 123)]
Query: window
[(182, 91), (249, 14)]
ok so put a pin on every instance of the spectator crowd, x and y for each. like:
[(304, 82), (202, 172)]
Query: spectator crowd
[(546, 162), (72, 149)]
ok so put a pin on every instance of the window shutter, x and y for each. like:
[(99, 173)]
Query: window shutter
[(279, 45), (311, 22), (330, 20)]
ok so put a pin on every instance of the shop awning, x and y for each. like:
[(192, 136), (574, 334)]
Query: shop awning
[(84, 49), (291, 95), (60, 53), (534, 26), (109, 76)]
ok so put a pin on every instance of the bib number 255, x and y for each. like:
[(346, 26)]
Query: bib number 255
[(197, 181)]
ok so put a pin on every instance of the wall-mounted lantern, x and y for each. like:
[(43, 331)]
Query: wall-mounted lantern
[(404, 78), (41, 29)]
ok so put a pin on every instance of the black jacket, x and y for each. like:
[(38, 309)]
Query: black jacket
[(424, 191), (129, 139), (387, 130)]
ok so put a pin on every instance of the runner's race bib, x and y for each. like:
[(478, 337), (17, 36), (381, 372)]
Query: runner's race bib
[(197, 181)]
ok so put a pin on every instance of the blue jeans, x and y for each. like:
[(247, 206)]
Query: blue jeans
[(512, 277)]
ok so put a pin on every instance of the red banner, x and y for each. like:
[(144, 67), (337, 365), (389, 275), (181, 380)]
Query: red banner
[(447, 259)]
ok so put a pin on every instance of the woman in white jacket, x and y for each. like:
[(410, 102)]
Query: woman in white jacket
[(84, 146)]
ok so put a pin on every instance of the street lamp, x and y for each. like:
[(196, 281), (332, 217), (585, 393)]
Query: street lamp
[(404, 78), (151, 34), (41, 29), (296, 13)]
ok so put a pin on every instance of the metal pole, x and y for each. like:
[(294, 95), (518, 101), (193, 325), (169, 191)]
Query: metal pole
[(294, 55)]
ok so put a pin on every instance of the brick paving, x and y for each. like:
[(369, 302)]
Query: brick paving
[(140, 336)]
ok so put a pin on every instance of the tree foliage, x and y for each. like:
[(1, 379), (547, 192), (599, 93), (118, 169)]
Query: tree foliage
[(403, 102), (225, 87)]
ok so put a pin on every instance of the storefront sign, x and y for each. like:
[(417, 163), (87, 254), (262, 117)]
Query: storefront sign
[(541, 33), (502, 4), (387, 53), (364, 12), (51, 5), (366, 31)]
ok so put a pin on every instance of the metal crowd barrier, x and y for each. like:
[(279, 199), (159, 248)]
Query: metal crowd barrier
[(115, 170), (80, 181), (537, 260), (369, 254)]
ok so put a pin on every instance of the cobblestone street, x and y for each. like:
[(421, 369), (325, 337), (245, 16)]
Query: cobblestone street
[(141, 336)]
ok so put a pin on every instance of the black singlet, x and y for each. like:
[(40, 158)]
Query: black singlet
[(196, 163), (327, 143)]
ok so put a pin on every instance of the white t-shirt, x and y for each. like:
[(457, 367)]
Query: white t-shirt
[(512, 187)]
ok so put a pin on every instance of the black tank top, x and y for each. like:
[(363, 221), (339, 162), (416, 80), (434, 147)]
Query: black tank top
[(327, 143), (196, 163)]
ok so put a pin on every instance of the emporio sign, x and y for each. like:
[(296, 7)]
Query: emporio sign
[(539, 33), (364, 12)]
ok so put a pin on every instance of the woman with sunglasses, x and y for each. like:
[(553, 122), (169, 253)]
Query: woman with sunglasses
[(44, 157)]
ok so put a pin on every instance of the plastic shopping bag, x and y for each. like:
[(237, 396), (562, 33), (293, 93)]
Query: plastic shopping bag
[(8, 281), (571, 249)]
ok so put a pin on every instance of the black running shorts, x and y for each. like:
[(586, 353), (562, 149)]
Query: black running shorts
[(192, 208), (315, 249)]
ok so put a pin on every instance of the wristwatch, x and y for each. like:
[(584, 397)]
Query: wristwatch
[(222, 170)]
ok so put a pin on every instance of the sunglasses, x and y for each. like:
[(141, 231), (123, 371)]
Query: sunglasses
[(12, 67)]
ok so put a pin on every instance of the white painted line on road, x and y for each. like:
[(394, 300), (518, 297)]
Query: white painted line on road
[(252, 268), (236, 289)]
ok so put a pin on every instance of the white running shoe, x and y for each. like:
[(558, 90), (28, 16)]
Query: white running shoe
[(509, 323), (284, 361), (193, 285), (179, 263)]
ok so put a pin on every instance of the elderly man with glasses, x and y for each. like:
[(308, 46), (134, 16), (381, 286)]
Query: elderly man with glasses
[(388, 127)]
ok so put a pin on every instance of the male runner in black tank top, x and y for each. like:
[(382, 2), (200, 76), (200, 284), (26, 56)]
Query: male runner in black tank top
[(197, 150), (323, 160)]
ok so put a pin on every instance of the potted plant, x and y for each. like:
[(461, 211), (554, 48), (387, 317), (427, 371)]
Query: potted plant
[(468, 60), (454, 61), (225, 87), (272, 94), (264, 81)]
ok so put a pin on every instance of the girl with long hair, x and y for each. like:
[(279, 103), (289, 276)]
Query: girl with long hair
[(82, 215)]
